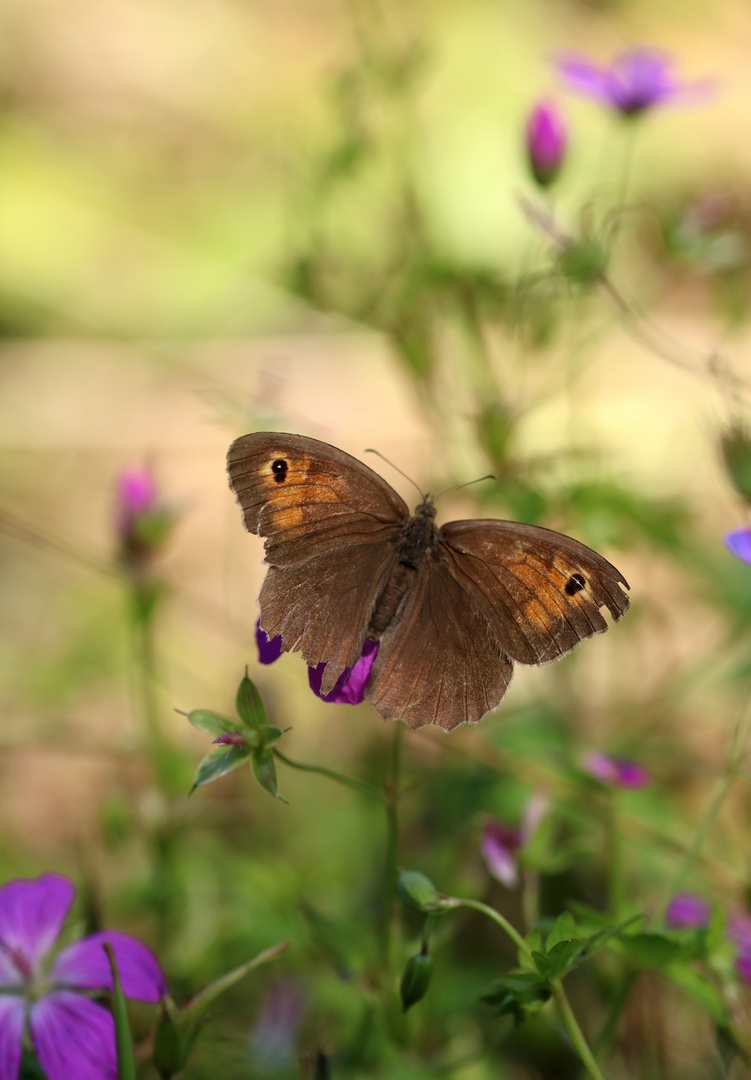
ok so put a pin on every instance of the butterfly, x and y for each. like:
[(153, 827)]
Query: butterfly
[(452, 608)]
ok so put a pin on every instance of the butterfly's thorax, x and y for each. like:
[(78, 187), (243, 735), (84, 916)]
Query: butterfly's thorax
[(416, 541)]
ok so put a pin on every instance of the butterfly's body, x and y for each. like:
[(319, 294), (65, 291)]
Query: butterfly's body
[(452, 608)]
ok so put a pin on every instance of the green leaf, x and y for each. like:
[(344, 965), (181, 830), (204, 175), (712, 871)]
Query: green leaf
[(519, 994), (558, 960), (563, 929), (534, 941), (192, 1012), (418, 892), (218, 763), (126, 1065), (270, 734), (250, 707), (212, 723), (264, 771), (651, 952)]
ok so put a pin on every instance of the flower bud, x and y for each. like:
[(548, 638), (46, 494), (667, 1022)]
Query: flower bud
[(547, 139), (416, 979)]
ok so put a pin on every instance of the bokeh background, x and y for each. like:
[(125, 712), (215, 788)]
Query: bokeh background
[(218, 216)]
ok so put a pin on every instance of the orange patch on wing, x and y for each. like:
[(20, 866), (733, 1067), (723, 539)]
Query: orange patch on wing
[(289, 517), (297, 471), (538, 615)]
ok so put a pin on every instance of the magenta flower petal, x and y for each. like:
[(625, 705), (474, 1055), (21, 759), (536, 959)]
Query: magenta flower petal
[(631, 774), (739, 542), (619, 772), (500, 844), (12, 1011), (73, 1037), (269, 649), (687, 911), (636, 80), (350, 686), (136, 491), (31, 916), (84, 965)]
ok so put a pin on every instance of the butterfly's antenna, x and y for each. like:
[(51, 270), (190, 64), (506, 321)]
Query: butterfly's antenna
[(456, 487), (423, 496)]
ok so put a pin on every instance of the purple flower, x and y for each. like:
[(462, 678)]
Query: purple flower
[(269, 649), (142, 520), (637, 80), (350, 686), (72, 1035), (686, 911), (739, 931), (500, 842), (546, 142), (618, 772), (739, 542)]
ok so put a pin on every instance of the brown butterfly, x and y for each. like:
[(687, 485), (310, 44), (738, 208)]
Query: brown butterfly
[(452, 608)]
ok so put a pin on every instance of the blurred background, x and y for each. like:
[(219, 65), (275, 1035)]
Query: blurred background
[(219, 216)]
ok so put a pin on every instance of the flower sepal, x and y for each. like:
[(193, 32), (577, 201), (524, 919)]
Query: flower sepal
[(416, 978)]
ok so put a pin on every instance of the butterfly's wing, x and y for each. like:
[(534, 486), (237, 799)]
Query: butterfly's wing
[(440, 661), (540, 591), (329, 523)]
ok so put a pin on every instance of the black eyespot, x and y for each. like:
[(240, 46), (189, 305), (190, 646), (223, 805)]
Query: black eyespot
[(574, 584), (279, 469)]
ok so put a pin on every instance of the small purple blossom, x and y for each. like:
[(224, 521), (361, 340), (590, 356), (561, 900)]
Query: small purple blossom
[(739, 932), (350, 686), (71, 1034), (269, 649), (739, 542), (687, 911), (637, 80), (501, 843), (546, 139), (142, 520), (617, 772)]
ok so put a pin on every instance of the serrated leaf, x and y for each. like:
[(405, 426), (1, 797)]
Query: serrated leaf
[(219, 762), (534, 941), (563, 929), (556, 962), (517, 993), (264, 770), (249, 705), (212, 723)]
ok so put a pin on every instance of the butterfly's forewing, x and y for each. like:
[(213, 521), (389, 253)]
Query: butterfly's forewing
[(440, 662), (328, 521), (540, 591)]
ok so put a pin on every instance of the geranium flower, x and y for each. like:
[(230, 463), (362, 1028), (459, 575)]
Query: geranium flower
[(739, 542), (546, 138), (142, 520), (350, 686), (73, 1036), (617, 772), (739, 931), (501, 843), (687, 911), (636, 80)]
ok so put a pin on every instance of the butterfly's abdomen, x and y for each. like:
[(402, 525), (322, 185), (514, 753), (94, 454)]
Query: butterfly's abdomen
[(414, 543)]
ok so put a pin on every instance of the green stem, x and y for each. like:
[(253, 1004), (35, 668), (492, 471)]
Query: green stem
[(391, 874), (615, 858), (559, 994), (348, 781)]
